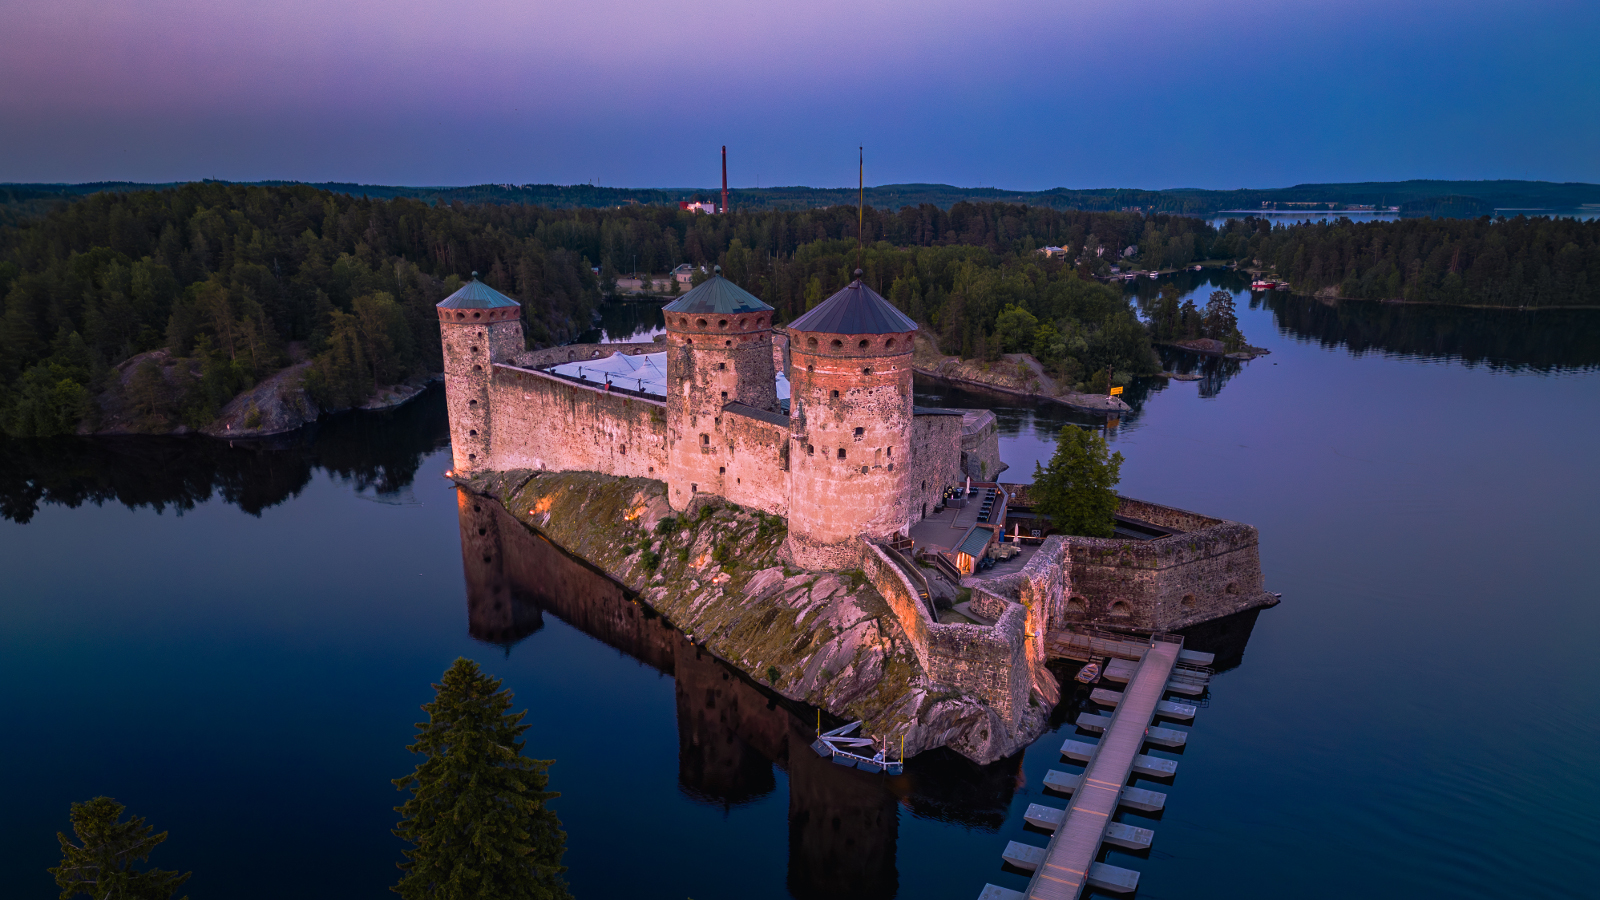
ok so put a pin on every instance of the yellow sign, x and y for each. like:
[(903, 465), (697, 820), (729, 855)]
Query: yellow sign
[(1115, 391)]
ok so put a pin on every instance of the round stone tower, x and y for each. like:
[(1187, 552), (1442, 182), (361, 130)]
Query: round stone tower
[(719, 351), (850, 426), (479, 326)]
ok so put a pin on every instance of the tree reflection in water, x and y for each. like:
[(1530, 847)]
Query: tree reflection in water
[(377, 453)]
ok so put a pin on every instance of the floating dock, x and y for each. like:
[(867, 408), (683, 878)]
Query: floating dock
[(1062, 869)]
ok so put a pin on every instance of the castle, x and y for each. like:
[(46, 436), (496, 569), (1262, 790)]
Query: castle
[(846, 456)]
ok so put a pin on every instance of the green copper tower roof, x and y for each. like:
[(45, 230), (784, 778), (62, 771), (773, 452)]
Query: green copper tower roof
[(717, 296), (476, 295)]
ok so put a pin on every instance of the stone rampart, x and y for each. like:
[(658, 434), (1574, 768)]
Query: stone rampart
[(991, 663), (980, 445), (935, 459), (555, 356), (548, 423), (1163, 584), (757, 458)]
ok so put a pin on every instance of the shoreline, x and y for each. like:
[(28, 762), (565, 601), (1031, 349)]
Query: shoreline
[(1106, 406)]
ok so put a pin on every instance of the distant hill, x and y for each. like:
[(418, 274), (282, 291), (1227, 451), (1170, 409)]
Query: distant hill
[(1451, 199)]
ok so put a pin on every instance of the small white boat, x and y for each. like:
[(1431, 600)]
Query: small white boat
[(1089, 674)]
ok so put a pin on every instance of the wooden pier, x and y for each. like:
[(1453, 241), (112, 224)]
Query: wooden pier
[(1062, 869)]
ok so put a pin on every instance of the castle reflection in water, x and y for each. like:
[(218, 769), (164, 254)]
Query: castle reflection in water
[(843, 823)]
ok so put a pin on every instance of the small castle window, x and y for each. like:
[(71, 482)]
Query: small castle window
[(724, 395), (722, 470), (889, 344), (652, 470), (700, 322), (834, 394), (891, 452), (472, 403), (472, 433), (867, 371), (474, 349), (837, 343), (688, 340), (811, 368), (722, 323), (1232, 588), (811, 450), (622, 449), (1121, 610), (475, 315), (461, 315), (860, 432), (1188, 601), (841, 453), (472, 456), (477, 368), (811, 342), (727, 343), (863, 470), (705, 440), (722, 365), (694, 488), (863, 344)]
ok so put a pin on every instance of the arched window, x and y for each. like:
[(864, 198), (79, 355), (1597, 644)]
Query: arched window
[(1121, 610), (722, 323), (889, 344), (811, 342), (841, 453), (837, 343), (700, 322), (1188, 601), (863, 344), (867, 371), (472, 433), (475, 315)]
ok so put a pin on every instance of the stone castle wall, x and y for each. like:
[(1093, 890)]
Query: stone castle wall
[(992, 662), (545, 422), (936, 442), (1164, 584), (757, 457), (555, 356), (980, 445)]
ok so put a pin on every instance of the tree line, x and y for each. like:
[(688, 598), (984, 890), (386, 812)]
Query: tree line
[(1465, 262)]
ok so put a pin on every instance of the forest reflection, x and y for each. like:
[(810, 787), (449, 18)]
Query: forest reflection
[(376, 453)]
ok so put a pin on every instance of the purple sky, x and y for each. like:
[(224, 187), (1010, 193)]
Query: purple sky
[(1025, 95)]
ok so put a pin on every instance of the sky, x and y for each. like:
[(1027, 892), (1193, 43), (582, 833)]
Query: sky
[(1005, 93)]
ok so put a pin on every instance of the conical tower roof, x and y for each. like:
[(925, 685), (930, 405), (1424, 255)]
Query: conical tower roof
[(857, 309), (476, 295), (717, 296)]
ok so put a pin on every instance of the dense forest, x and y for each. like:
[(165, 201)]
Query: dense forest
[(1468, 262), (236, 281), (241, 278)]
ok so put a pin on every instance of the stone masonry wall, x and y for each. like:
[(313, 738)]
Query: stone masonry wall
[(1164, 584), (712, 361), (554, 356), (851, 423), (757, 458), (980, 445), (548, 423), (992, 663), (935, 461)]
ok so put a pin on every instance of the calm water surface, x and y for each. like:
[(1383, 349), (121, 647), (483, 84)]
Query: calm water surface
[(234, 641)]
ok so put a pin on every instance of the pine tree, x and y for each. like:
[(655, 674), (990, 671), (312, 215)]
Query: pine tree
[(1076, 490), (478, 819), (101, 866)]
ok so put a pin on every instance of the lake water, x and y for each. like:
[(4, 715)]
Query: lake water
[(234, 641)]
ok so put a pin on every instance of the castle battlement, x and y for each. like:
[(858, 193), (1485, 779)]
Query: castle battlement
[(834, 444)]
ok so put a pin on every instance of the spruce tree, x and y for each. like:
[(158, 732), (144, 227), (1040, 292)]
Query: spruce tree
[(102, 864), (478, 819), (1076, 490)]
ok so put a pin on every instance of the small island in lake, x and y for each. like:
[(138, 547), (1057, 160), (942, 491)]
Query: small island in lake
[(783, 502)]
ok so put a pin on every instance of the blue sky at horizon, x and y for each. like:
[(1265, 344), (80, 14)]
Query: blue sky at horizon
[(1018, 95)]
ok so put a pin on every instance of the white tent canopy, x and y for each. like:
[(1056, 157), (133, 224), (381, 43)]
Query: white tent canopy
[(645, 373)]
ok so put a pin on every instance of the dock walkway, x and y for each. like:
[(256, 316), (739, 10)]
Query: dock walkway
[(1063, 868)]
